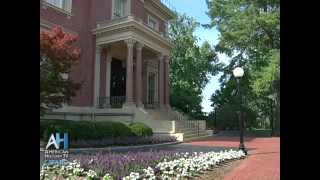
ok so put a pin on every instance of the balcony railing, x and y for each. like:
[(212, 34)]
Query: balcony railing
[(111, 102), (130, 18), (152, 105), (118, 101)]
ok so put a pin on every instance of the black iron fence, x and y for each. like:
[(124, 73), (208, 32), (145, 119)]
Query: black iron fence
[(111, 102), (118, 101), (152, 105)]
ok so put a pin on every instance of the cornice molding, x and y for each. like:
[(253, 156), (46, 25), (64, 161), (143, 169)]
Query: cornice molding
[(164, 9)]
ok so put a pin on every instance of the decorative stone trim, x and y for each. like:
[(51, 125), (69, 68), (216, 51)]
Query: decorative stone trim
[(130, 42), (139, 46), (155, 13), (161, 8)]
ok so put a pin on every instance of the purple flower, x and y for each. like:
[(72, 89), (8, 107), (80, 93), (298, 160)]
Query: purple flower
[(121, 164)]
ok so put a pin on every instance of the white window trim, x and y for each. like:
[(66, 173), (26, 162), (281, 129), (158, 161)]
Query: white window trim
[(67, 10), (155, 20)]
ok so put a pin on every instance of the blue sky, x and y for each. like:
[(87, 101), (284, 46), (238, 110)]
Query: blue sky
[(197, 9)]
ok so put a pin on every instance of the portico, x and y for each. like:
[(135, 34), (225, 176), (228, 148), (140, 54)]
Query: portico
[(131, 66)]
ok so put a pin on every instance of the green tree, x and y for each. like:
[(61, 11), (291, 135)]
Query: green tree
[(250, 36), (57, 55), (191, 66)]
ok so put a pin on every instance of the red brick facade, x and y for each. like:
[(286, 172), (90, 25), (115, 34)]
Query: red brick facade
[(83, 19)]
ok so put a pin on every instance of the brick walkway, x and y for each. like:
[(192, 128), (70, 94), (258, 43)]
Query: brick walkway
[(262, 163)]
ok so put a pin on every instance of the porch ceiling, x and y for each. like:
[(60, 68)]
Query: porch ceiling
[(119, 51)]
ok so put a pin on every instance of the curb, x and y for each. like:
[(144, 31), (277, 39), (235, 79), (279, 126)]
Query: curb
[(118, 147)]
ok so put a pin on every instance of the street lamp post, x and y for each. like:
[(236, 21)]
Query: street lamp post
[(238, 73), (271, 98)]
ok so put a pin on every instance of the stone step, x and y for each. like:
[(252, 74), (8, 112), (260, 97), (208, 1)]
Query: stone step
[(187, 129), (193, 132), (195, 138), (190, 129), (195, 135)]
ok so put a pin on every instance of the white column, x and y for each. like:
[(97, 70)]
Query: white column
[(97, 76), (129, 67), (108, 71), (167, 82), (139, 74), (161, 80)]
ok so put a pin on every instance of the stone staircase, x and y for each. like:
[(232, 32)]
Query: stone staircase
[(192, 129), (163, 122), (183, 128)]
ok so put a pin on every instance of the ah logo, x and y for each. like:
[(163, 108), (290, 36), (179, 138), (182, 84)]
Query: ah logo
[(57, 140)]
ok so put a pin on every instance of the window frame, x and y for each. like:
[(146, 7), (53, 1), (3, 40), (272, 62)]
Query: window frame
[(150, 17), (126, 9), (166, 29), (66, 5)]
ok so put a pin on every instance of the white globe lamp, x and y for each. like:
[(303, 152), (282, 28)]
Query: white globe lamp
[(238, 72)]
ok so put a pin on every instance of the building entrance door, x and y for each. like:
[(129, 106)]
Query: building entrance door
[(151, 88), (118, 83)]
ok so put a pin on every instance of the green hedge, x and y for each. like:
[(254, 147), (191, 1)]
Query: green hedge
[(140, 129), (85, 130)]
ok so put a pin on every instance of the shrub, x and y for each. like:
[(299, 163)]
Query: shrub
[(83, 130), (140, 129), (86, 130), (52, 126), (121, 130)]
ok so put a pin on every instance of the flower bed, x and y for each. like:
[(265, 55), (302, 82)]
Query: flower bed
[(122, 141), (120, 165), (140, 165)]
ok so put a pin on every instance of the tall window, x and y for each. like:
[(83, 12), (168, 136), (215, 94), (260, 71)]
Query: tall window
[(62, 4), (119, 8)]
